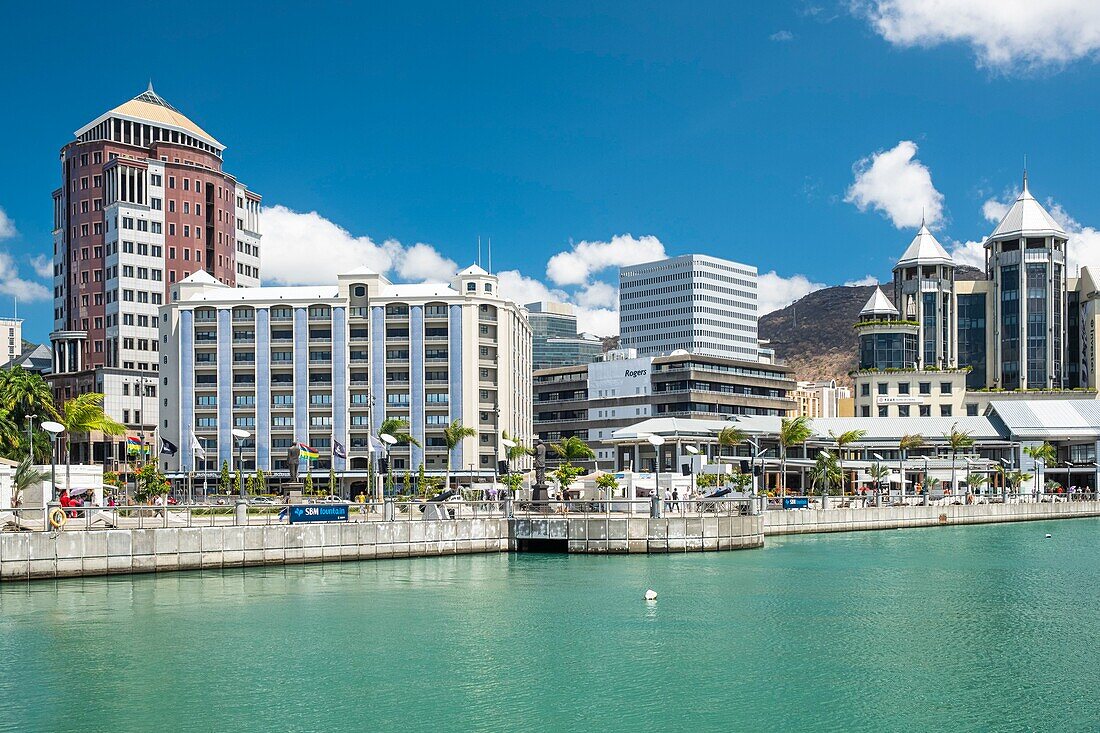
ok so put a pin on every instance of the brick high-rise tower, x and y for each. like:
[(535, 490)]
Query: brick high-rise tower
[(144, 202)]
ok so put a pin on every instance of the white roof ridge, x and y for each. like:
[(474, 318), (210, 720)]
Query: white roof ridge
[(879, 304), (1026, 216), (924, 248)]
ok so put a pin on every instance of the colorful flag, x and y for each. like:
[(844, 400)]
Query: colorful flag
[(133, 445), (308, 453), (167, 447), (338, 449)]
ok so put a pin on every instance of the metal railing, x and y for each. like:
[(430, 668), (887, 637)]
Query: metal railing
[(869, 500), (233, 513)]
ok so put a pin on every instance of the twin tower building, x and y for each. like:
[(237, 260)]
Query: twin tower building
[(950, 338)]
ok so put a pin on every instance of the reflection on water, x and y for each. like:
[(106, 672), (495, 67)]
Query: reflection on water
[(971, 629)]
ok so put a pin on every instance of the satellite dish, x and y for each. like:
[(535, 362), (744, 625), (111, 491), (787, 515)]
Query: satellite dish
[(53, 427), (691, 449), (656, 440), (388, 439)]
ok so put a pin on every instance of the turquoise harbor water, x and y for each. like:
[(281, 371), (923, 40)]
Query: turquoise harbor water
[(985, 628)]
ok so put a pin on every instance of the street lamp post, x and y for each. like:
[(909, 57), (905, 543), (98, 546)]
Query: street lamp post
[(878, 489), (389, 440), (656, 441), (30, 438), (241, 436), (54, 429), (694, 452)]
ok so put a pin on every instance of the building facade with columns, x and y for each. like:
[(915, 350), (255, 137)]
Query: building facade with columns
[(143, 203), (328, 364)]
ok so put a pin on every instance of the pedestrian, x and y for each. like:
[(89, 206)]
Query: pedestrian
[(675, 499)]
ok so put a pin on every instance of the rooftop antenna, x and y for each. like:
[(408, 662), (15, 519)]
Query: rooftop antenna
[(479, 250), (1025, 172), (490, 255), (16, 299)]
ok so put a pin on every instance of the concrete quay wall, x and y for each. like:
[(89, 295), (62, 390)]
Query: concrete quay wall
[(31, 555), (599, 535), (802, 521)]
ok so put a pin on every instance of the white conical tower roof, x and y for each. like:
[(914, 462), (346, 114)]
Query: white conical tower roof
[(925, 249), (879, 306), (1027, 217)]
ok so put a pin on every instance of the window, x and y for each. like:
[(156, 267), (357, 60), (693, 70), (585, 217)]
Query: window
[(865, 389), (925, 411), (903, 410), (925, 387), (945, 387), (883, 388), (903, 387), (945, 410), (971, 410), (882, 411)]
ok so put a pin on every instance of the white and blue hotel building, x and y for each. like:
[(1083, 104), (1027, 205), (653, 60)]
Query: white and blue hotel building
[(327, 364)]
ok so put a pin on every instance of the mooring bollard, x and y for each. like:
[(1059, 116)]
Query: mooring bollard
[(509, 508), (241, 512), (389, 511), (655, 507)]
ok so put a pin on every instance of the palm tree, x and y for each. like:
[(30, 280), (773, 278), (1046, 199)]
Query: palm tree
[(976, 481), (842, 441), (792, 431), (907, 441), (878, 472), (398, 429), (84, 414), (1041, 453), (957, 440), (572, 449), (9, 434), (730, 437), (513, 452), (26, 475), (826, 471), (25, 393), (454, 434)]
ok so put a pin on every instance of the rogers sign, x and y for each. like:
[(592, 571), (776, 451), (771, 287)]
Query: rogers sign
[(636, 372)]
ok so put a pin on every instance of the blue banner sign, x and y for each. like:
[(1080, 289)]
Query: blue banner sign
[(318, 513), (796, 502)]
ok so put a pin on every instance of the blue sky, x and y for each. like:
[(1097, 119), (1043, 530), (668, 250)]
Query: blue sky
[(603, 131)]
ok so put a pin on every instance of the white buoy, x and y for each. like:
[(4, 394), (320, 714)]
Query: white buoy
[(651, 595), (1048, 536)]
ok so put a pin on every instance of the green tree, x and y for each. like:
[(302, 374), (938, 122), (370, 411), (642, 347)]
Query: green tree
[(84, 414), (261, 481), (566, 474), (513, 481), (420, 479), (878, 474), (1043, 453), (905, 444), (225, 480), (572, 449), (26, 476), (250, 485), (957, 440), (826, 472), (149, 483), (607, 483), (792, 431), (706, 480), (975, 481), (741, 481), (453, 435), (731, 437), (237, 482), (307, 484), (842, 441)]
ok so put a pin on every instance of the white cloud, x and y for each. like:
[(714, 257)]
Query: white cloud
[(781, 36), (598, 294), (306, 249), (598, 321), (865, 280), (775, 292), (994, 210), (7, 226), (898, 185), (514, 285), (1003, 34), (421, 262), (43, 266), (585, 259), (969, 253), (13, 285), (1083, 249)]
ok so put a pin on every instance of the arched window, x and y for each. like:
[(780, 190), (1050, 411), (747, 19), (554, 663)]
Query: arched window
[(488, 287)]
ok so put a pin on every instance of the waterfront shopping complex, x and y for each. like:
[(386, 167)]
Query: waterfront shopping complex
[(159, 306)]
